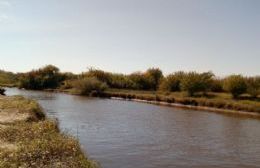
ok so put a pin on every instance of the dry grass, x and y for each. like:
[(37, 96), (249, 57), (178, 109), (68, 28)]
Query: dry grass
[(36, 141), (19, 106)]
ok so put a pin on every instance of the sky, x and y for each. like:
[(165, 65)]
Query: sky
[(131, 35)]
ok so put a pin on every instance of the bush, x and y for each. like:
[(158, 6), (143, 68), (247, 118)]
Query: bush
[(236, 85), (47, 77), (89, 85), (153, 76), (217, 85), (120, 81), (98, 74), (193, 82), (7, 78), (172, 82), (139, 80), (2, 91), (253, 86)]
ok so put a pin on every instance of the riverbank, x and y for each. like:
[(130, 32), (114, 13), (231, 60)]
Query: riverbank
[(220, 103), (29, 139), (8, 85)]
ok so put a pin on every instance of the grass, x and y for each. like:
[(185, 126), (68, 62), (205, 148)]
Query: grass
[(35, 141), (216, 100), (7, 79), (19, 106), (8, 85)]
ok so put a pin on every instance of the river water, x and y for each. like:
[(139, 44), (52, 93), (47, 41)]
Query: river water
[(123, 134)]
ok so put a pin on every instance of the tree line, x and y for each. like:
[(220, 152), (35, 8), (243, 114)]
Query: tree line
[(50, 77)]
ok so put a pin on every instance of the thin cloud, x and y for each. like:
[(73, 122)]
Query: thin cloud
[(5, 3), (3, 17)]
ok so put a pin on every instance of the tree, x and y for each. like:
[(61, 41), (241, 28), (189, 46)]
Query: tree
[(236, 85), (170, 83), (49, 76), (253, 86), (193, 82), (46, 77), (99, 74), (217, 85), (154, 76), (120, 81), (139, 81)]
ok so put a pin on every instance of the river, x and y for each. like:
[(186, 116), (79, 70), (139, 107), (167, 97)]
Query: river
[(124, 134)]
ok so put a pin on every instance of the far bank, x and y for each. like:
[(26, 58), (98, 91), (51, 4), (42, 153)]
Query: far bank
[(213, 102)]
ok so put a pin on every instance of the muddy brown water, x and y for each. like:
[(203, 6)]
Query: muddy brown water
[(123, 134)]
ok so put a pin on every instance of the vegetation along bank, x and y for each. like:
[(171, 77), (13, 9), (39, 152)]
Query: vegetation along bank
[(29, 139), (234, 92)]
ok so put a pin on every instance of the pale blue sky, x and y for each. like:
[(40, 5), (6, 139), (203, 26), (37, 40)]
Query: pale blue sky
[(130, 35)]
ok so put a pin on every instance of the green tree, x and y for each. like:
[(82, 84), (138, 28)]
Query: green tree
[(43, 78), (236, 85), (169, 83), (253, 86), (120, 81), (99, 74), (172, 82), (139, 81), (193, 82), (49, 76), (217, 85), (154, 76)]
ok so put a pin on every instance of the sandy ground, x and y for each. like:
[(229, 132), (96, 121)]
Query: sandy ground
[(9, 116)]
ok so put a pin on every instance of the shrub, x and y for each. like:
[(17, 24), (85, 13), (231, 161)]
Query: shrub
[(172, 82), (153, 76), (43, 78), (88, 85), (193, 82), (120, 81), (68, 84), (98, 74), (235, 84), (140, 82), (2, 91), (217, 85), (7, 78), (253, 86)]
